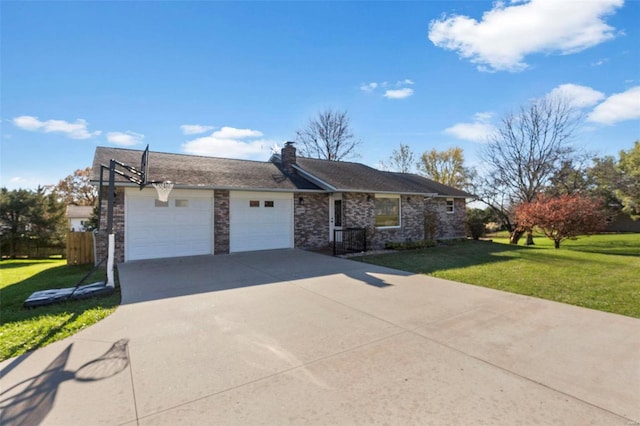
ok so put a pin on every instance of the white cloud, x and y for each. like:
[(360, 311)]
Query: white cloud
[(507, 34), (194, 129), (233, 133), (368, 87), (398, 93), (578, 96), (230, 142), (27, 122), (127, 138), (77, 130), (477, 131), (619, 107)]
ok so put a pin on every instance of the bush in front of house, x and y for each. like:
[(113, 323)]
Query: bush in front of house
[(475, 223)]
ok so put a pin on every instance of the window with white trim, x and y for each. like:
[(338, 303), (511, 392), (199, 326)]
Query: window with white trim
[(387, 210), (450, 206)]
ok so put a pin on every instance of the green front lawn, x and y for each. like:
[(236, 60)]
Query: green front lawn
[(598, 272), (22, 329)]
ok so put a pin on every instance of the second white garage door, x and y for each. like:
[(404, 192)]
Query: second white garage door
[(260, 220)]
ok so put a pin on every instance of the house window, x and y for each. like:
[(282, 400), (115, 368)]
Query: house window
[(254, 203), (450, 206), (159, 203), (337, 212), (182, 203), (387, 211), (268, 203)]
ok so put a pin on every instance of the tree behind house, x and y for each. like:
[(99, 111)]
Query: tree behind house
[(401, 160), (447, 167), (526, 150), (328, 136), (77, 189)]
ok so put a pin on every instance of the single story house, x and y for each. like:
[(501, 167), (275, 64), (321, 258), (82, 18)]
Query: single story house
[(220, 205), (78, 217)]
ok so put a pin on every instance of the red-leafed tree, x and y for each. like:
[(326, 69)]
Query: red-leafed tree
[(562, 217)]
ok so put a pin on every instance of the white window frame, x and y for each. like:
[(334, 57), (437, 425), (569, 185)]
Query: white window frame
[(452, 205), (394, 197)]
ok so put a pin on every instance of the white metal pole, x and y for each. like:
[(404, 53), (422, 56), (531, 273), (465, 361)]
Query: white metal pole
[(111, 250)]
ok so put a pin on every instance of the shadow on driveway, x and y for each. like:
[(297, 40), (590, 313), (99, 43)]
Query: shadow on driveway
[(148, 280), (32, 405)]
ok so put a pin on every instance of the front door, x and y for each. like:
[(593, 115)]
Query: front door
[(335, 215)]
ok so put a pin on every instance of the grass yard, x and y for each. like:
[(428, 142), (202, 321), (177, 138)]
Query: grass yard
[(598, 272), (22, 329)]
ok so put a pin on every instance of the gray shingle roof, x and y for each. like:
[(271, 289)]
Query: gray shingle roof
[(346, 176), (223, 173), (208, 172)]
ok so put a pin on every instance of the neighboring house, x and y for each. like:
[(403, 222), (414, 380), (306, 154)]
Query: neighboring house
[(78, 217), (220, 206)]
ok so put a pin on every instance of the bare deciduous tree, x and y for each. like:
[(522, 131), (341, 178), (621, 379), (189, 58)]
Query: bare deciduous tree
[(527, 149), (328, 136), (401, 160)]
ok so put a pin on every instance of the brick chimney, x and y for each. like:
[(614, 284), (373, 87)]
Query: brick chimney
[(288, 156)]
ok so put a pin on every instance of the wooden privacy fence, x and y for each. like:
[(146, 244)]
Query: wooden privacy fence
[(79, 248)]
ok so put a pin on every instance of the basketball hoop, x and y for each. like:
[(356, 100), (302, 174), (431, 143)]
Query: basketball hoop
[(163, 189)]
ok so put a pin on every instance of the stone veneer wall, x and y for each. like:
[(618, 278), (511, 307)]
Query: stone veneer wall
[(118, 226), (221, 226), (448, 225), (311, 220)]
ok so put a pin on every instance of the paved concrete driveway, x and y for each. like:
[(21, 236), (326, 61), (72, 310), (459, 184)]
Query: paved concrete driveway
[(291, 337)]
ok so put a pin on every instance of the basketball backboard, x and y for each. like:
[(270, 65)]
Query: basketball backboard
[(144, 167)]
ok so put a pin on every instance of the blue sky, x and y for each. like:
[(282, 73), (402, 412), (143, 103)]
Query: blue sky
[(231, 79)]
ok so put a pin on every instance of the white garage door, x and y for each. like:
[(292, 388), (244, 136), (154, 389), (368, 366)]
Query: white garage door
[(260, 220), (180, 227)]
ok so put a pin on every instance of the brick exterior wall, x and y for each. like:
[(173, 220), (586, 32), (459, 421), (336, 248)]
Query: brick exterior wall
[(311, 220), (359, 212), (447, 225), (221, 222), (118, 226), (411, 223)]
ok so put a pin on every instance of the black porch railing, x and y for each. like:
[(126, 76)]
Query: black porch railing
[(349, 240)]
